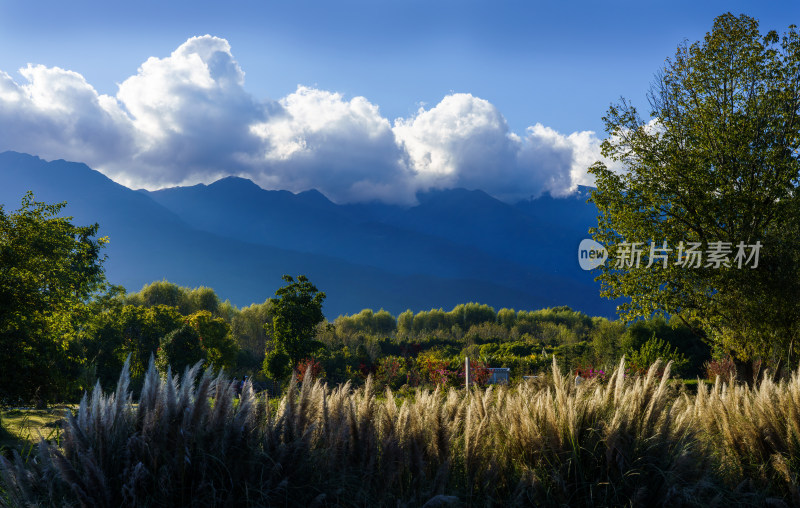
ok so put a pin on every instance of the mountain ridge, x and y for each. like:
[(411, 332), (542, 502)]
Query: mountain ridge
[(207, 235)]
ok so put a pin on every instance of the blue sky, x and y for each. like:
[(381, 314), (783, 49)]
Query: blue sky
[(394, 96)]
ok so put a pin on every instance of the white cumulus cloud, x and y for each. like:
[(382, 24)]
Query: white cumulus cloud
[(57, 114), (186, 118), (464, 141), (192, 114), (344, 148), (459, 142)]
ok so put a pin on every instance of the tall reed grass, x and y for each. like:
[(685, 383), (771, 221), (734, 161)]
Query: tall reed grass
[(753, 435), (623, 442)]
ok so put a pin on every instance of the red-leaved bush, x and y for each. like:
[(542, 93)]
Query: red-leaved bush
[(724, 368), (479, 373), (303, 367)]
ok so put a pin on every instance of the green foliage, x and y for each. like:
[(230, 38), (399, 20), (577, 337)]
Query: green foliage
[(180, 349), (249, 332), (204, 299), (352, 347), (562, 315), (676, 334), (119, 331), (392, 372), (100, 338), (718, 163), (405, 323), (49, 268), (216, 338), (161, 293), (657, 349), (470, 314), (508, 338), (507, 317), (295, 315), (277, 364), (521, 357), (367, 322), (436, 321), (508, 349), (339, 363), (486, 332), (554, 334), (185, 300), (572, 355), (605, 339), (136, 324)]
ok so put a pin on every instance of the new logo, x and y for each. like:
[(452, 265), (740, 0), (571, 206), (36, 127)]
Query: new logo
[(591, 254)]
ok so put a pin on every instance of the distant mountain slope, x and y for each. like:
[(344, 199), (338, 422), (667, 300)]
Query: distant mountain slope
[(531, 246), (308, 222), (239, 239), (542, 233)]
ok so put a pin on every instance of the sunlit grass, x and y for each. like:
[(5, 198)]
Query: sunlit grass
[(23, 427), (645, 440)]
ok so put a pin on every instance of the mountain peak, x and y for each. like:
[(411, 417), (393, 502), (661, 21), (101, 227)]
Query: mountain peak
[(12, 155), (235, 182), (313, 196)]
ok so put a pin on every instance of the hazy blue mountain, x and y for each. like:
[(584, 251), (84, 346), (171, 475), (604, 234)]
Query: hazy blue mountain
[(239, 239), (571, 213), (308, 222), (543, 233)]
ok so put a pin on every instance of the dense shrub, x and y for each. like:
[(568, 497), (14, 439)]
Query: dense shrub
[(308, 367), (656, 349), (724, 368), (182, 347), (392, 372), (676, 334)]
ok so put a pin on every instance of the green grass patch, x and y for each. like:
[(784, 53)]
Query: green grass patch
[(22, 428), (692, 384)]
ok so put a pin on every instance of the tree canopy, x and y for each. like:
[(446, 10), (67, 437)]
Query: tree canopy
[(49, 268), (702, 219), (295, 315)]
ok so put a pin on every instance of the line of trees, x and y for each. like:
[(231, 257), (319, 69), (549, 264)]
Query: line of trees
[(63, 327)]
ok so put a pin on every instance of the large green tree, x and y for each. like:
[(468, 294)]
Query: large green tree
[(295, 315), (120, 331), (217, 340), (716, 162), (180, 349), (49, 269), (247, 327)]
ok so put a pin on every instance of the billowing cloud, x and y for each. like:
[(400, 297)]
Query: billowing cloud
[(192, 114), (464, 141), (345, 148), (57, 114), (186, 118), (461, 142)]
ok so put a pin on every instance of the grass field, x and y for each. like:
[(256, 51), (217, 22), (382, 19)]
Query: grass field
[(22, 427), (626, 441)]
